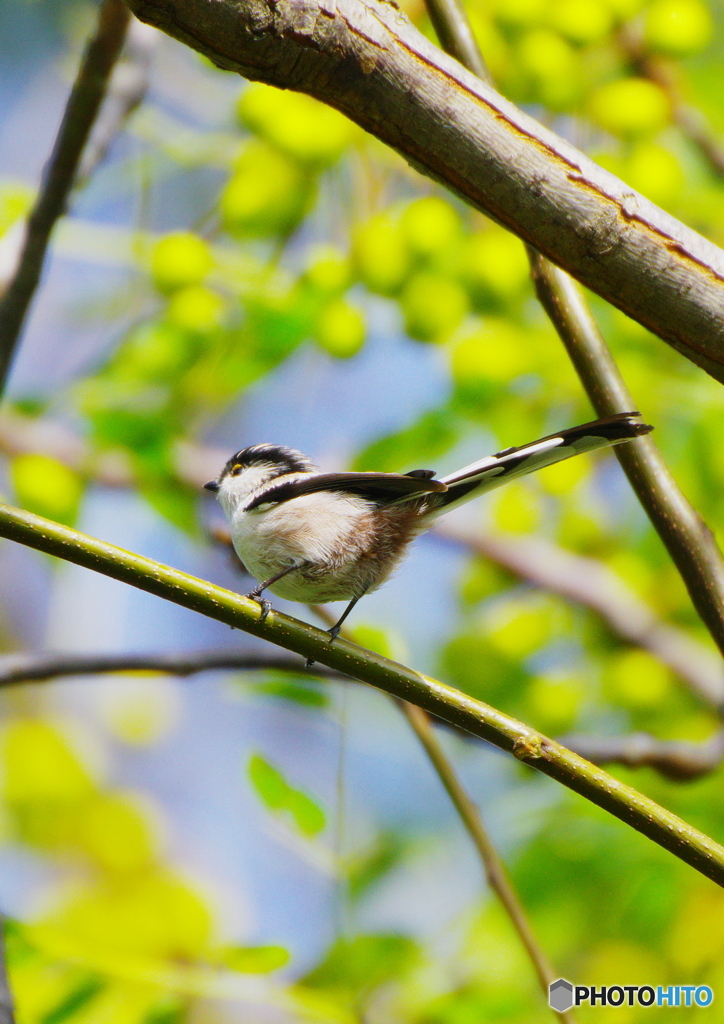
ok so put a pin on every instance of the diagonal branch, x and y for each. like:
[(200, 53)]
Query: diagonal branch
[(687, 538), (527, 745), (585, 581), (127, 88), (80, 114), (493, 864), (366, 59)]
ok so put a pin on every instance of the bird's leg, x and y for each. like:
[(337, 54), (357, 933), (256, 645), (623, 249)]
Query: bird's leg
[(335, 630), (259, 589)]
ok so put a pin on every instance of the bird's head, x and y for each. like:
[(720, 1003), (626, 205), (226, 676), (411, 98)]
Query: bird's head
[(252, 469)]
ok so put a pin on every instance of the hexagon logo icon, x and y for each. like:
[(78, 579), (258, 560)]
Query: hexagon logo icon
[(560, 995)]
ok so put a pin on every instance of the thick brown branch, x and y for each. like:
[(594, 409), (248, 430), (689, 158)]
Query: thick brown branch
[(80, 114), (365, 58)]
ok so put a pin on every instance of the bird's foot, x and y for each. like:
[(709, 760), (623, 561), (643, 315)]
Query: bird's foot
[(262, 601)]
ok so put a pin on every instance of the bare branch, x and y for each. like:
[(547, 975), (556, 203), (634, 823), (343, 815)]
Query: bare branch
[(365, 58), (495, 870), (690, 121), (687, 538), (80, 114), (28, 668), (676, 759), (590, 583), (127, 88)]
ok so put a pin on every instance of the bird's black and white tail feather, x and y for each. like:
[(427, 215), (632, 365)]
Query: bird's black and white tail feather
[(494, 470)]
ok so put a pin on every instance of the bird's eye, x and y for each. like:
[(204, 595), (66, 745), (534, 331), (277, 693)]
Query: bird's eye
[(235, 470)]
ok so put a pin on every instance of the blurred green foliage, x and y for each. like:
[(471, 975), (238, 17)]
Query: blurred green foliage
[(313, 227), (283, 799)]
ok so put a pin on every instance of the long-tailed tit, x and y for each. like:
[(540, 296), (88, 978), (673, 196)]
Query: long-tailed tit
[(315, 537)]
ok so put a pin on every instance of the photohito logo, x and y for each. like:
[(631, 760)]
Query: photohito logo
[(562, 995)]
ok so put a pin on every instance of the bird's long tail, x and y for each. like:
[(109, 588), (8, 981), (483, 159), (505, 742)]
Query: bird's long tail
[(511, 463)]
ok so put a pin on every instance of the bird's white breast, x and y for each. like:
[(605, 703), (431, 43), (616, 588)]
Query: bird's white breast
[(321, 529)]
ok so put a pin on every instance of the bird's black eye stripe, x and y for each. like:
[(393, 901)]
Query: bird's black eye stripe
[(286, 460)]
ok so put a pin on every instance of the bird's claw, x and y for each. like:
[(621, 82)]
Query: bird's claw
[(264, 604)]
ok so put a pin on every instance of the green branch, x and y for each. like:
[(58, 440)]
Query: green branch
[(527, 745)]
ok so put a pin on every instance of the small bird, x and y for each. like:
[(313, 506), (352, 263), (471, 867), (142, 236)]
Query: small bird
[(316, 537)]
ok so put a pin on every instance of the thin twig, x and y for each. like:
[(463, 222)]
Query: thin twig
[(675, 759), (28, 668), (493, 865), (126, 90), (7, 1013), (80, 114), (687, 538), (526, 744), (690, 121), (472, 820), (592, 584)]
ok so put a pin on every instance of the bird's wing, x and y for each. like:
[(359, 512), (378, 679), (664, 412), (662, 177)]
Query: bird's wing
[(380, 488), (495, 470)]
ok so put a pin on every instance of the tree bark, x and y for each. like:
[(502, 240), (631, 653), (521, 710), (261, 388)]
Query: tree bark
[(366, 59)]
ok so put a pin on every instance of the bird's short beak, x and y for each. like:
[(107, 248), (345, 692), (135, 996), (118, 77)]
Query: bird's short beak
[(212, 485)]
